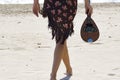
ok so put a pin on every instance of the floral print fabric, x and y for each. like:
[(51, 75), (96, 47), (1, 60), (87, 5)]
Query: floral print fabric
[(61, 14)]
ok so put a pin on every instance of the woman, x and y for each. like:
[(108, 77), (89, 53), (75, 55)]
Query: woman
[(60, 14)]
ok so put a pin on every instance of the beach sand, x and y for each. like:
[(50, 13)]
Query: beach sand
[(26, 48)]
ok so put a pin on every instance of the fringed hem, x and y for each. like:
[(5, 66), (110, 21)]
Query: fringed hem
[(60, 33)]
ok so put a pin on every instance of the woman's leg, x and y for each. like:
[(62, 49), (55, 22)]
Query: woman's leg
[(66, 60), (58, 53)]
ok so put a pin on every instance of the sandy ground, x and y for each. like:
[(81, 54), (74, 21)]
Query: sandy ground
[(26, 48)]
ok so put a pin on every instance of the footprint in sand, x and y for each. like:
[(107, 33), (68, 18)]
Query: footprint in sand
[(4, 48), (97, 43), (18, 48), (116, 72), (3, 36), (111, 74), (18, 22), (117, 40), (109, 36), (116, 69)]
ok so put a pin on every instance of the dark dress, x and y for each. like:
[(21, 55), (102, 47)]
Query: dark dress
[(60, 14)]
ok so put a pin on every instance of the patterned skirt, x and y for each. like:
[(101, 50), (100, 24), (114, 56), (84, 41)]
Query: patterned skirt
[(60, 14)]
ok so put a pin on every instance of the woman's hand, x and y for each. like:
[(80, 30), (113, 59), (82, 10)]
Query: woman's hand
[(36, 8), (88, 9)]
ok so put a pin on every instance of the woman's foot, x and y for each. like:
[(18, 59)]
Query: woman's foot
[(68, 74)]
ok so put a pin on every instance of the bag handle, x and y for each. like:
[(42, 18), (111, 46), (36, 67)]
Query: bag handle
[(89, 16)]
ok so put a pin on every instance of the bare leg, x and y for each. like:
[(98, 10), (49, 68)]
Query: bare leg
[(57, 59), (66, 60)]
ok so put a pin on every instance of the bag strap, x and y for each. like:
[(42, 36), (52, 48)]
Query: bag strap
[(87, 11)]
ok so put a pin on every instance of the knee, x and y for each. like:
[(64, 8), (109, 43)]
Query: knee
[(59, 45)]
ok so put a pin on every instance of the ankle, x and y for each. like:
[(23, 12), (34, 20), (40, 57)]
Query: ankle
[(69, 71), (53, 76)]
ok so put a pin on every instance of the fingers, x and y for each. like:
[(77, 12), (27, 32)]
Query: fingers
[(89, 10), (36, 9), (36, 13)]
